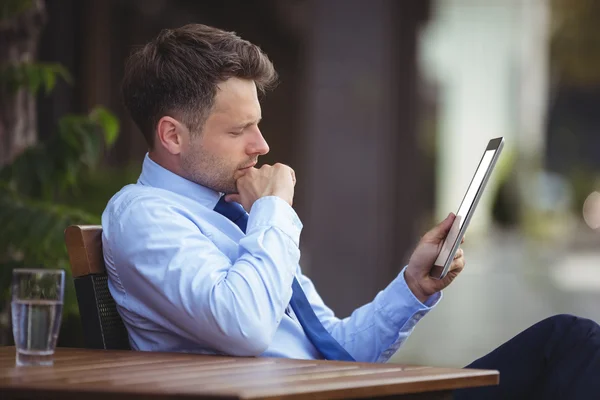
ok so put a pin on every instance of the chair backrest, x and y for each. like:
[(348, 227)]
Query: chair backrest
[(103, 327)]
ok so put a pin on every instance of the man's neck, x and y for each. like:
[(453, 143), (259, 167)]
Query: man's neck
[(169, 162)]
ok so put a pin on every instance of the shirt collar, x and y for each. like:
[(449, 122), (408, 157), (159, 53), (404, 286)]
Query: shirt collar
[(159, 177)]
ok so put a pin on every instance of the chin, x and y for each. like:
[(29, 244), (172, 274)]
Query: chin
[(229, 190), (213, 184)]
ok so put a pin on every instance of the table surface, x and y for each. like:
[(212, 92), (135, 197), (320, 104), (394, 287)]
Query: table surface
[(129, 374)]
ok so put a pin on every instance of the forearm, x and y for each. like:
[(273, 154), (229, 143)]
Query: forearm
[(376, 330), (229, 299)]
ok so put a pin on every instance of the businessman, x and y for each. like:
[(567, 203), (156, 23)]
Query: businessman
[(202, 252)]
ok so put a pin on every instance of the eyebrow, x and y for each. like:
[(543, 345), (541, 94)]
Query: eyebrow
[(244, 126)]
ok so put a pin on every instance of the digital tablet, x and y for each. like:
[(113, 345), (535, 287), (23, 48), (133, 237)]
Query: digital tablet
[(467, 208)]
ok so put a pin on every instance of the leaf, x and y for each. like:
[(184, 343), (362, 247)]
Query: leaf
[(67, 130), (33, 76), (108, 122), (49, 78), (51, 168), (61, 71), (35, 229)]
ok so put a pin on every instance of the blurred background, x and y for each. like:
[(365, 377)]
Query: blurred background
[(384, 109)]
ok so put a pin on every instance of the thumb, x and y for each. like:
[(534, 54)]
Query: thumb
[(439, 232), (233, 197)]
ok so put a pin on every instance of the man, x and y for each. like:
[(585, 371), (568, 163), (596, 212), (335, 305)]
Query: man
[(191, 271)]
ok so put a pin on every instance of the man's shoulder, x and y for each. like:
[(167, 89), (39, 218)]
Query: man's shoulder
[(138, 212), (135, 195), (137, 201)]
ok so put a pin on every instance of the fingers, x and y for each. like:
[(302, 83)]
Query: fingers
[(459, 253), (438, 233), (234, 197), (459, 261), (238, 174), (268, 180), (284, 166)]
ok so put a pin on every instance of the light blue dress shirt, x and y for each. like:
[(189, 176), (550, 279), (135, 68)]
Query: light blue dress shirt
[(186, 279)]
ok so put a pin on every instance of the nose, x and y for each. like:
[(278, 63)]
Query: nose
[(258, 145)]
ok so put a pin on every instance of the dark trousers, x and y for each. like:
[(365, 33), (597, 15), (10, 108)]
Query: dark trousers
[(557, 358)]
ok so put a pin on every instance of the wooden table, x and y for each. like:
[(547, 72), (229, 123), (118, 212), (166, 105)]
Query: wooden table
[(99, 374)]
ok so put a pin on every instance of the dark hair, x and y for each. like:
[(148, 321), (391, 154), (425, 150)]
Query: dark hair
[(177, 74)]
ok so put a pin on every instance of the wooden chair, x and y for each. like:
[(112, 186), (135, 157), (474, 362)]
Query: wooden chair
[(103, 327)]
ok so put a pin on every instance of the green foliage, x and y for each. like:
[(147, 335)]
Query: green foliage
[(32, 230), (32, 223), (41, 190), (48, 170), (33, 190), (33, 76), (12, 8)]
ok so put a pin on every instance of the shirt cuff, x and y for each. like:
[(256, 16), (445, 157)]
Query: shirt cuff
[(400, 287), (403, 310), (273, 211), (401, 305)]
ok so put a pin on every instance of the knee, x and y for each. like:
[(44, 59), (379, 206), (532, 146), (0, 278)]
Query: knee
[(581, 327)]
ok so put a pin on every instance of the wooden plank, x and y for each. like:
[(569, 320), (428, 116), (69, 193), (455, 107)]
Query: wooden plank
[(366, 386), (128, 374), (84, 245)]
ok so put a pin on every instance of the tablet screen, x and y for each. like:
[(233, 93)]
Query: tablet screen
[(464, 208)]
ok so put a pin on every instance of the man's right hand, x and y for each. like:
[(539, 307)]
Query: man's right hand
[(253, 183)]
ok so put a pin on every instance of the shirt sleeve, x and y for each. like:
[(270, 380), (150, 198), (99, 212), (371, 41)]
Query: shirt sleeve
[(180, 280), (375, 331)]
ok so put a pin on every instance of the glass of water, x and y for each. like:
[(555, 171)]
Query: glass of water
[(37, 303)]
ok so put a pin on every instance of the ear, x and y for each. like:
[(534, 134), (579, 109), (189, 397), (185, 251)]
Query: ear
[(170, 134)]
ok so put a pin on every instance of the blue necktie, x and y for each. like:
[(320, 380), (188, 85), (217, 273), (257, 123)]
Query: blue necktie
[(313, 328)]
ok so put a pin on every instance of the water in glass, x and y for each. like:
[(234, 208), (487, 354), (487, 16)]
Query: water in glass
[(37, 304), (35, 326)]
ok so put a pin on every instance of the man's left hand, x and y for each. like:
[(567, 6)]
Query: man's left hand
[(417, 273)]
